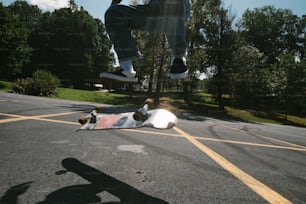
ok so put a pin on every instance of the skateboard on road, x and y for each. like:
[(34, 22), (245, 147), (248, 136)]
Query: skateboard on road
[(143, 117)]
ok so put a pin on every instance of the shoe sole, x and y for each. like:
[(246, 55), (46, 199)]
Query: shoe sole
[(179, 76), (118, 78)]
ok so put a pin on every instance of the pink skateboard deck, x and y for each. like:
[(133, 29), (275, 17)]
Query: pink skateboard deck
[(157, 118)]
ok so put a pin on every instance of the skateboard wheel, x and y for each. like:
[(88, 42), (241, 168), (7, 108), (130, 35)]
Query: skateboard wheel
[(83, 120), (93, 118), (99, 109), (149, 102), (140, 115), (137, 116)]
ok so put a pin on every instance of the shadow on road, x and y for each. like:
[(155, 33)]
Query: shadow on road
[(11, 195), (87, 193)]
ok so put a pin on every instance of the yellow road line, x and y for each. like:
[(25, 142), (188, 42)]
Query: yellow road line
[(270, 138), (13, 120), (43, 118), (152, 132), (281, 141), (38, 117), (55, 121), (261, 189), (217, 140)]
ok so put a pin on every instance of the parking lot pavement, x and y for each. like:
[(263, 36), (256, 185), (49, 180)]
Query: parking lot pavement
[(44, 159)]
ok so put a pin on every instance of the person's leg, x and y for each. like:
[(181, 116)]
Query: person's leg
[(159, 16), (177, 43), (119, 20), (176, 37)]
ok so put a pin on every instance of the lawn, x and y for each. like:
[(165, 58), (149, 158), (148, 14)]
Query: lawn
[(5, 86), (93, 96)]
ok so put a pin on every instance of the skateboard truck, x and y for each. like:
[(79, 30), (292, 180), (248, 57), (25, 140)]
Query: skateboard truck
[(93, 118), (142, 113)]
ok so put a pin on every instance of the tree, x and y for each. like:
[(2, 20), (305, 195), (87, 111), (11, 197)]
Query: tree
[(73, 45), (212, 28), (246, 74), (302, 37), (287, 82), (29, 16), (69, 42), (14, 50), (197, 56), (280, 36), (273, 31)]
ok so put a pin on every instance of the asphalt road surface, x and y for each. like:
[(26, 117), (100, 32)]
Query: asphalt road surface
[(43, 159)]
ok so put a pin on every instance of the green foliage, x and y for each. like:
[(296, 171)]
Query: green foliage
[(247, 75), (76, 48), (5, 86), (42, 83), (14, 50), (68, 42), (213, 24), (271, 30), (287, 82)]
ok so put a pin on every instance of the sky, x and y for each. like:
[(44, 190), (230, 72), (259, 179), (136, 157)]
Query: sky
[(97, 8)]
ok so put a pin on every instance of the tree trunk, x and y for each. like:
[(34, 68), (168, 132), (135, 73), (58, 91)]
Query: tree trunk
[(160, 70)]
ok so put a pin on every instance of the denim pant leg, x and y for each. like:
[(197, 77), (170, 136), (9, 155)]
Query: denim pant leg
[(118, 20), (171, 20), (158, 16), (177, 39), (176, 29)]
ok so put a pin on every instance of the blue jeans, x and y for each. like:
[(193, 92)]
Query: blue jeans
[(157, 16)]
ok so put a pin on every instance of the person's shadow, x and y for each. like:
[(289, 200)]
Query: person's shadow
[(83, 194), (11, 195)]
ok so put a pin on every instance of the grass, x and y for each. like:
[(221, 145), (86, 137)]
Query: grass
[(91, 96), (6, 86), (202, 104)]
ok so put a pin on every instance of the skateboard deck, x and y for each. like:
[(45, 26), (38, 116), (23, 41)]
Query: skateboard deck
[(155, 118)]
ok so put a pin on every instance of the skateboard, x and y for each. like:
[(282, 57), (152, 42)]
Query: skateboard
[(142, 117)]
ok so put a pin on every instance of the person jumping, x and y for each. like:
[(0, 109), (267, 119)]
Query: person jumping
[(156, 16)]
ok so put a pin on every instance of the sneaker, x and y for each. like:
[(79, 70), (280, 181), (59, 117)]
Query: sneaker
[(120, 75), (178, 69)]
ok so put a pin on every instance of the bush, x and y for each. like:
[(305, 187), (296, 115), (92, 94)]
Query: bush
[(42, 83)]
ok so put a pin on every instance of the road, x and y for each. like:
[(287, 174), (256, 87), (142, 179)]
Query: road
[(202, 160)]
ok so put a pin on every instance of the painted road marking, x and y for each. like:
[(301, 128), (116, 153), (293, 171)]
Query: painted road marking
[(218, 140), (270, 138), (261, 189), (38, 117), (281, 141), (44, 118)]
